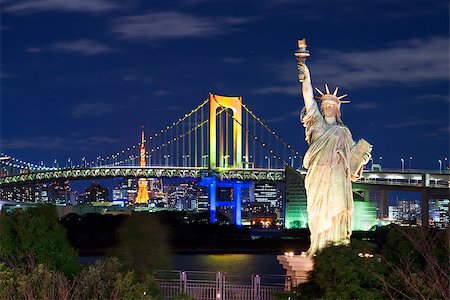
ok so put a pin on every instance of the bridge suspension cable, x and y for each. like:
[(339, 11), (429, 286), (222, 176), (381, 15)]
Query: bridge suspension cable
[(270, 151)]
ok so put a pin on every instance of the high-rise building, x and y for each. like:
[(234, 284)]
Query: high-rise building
[(408, 210), (95, 193), (439, 213), (202, 198), (381, 198), (56, 192), (266, 192)]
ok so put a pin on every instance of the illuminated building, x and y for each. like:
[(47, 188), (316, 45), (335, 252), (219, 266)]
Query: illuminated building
[(94, 193), (142, 195), (439, 213), (266, 192), (202, 198), (56, 192), (364, 215), (59, 192), (381, 197), (408, 210)]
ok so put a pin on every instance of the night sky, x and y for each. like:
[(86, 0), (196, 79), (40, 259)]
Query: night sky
[(80, 77)]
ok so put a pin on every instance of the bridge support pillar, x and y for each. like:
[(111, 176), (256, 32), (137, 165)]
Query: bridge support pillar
[(212, 183), (237, 199), (212, 200)]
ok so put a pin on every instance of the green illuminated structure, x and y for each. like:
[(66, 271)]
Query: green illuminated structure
[(364, 215), (296, 215)]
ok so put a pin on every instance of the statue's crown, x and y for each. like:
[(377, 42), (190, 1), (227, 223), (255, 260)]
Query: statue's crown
[(327, 96)]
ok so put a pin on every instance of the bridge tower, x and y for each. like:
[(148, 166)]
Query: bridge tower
[(142, 196), (235, 104)]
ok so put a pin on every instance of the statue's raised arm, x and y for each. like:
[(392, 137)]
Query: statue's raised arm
[(307, 89)]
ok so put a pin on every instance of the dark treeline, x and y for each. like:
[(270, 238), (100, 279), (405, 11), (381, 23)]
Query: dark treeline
[(94, 234)]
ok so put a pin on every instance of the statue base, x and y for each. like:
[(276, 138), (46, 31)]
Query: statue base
[(297, 268)]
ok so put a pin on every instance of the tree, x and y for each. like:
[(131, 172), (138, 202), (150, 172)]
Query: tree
[(416, 262), (142, 244), (34, 235), (341, 273)]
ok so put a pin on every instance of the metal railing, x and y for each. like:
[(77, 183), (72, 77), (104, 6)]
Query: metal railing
[(219, 285)]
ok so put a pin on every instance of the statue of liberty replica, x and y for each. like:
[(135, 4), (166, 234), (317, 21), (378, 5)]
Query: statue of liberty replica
[(333, 160)]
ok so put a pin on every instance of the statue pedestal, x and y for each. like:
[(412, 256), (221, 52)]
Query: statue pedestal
[(297, 267)]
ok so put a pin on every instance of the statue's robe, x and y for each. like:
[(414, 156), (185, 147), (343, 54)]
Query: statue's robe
[(328, 180)]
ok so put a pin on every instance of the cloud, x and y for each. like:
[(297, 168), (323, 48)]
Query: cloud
[(33, 49), (411, 122), (410, 62), (167, 108), (287, 90), (232, 60), (417, 61), (283, 118), (34, 143), (135, 76), (438, 134), (365, 105), (46, 142), (173, 25), (93, 109), (4, 75), (35, 6), (83, 46), (433, 98), (162, 92)]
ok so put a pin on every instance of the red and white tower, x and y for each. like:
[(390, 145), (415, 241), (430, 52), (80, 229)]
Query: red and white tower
[(142, 196)]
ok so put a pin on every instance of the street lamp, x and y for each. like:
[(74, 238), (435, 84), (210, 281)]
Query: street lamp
[(371, 163), (204, 160), (440, 165), (166, 159), (403, 164), (409, 164), (225, 160), (185, 158), (268, 161), (379, 162), (445, 164)]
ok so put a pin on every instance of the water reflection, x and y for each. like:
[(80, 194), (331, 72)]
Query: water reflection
[(244, 264)]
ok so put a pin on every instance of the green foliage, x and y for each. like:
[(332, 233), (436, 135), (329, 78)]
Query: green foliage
[(8, 282), (97, 281), (339, 273), (413, 264), (100, 281), (127, 287), (33, 282), (104, 280), (416, 260), (142, 244), (35, 234)]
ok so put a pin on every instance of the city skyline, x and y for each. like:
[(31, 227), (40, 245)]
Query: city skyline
[(85, 89)]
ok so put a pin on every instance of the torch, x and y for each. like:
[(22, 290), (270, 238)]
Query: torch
[(301, 53)]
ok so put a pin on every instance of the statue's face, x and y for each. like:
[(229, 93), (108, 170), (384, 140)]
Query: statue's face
[(329, 109)]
